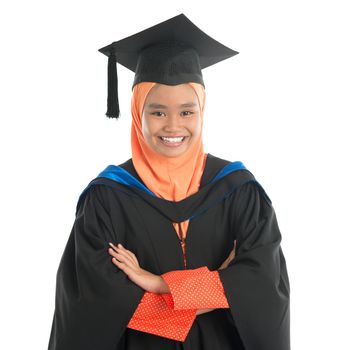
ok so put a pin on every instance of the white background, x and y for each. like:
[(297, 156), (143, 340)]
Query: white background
[(279, 106)]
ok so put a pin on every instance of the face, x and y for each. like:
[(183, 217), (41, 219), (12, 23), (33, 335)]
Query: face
[(171, 120)]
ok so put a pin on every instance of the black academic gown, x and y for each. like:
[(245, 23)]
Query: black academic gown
[(95, 299)]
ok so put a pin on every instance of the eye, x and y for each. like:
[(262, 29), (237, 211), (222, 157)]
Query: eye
[(157, 113), (188, 113)]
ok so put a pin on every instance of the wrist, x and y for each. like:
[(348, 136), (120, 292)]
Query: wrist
[(163, 287)]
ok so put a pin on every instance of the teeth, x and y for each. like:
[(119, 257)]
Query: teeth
[(172, 139)]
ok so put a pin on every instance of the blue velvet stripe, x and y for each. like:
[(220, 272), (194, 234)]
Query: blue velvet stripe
[(227, 169), (118, 174)]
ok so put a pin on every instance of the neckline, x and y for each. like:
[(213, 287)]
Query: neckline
[(213, 165), (126, 174), (209, 193)]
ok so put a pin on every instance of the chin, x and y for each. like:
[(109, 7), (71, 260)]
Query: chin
[(171, 154)]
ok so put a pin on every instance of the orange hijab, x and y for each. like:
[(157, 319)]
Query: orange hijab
[(171, 178)]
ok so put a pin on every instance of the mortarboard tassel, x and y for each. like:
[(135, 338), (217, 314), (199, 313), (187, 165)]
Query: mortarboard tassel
[(112, 99)]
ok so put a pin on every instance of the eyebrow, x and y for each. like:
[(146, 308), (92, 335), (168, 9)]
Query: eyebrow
[(160, 106)]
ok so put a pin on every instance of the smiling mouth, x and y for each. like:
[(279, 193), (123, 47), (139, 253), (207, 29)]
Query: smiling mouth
[(173, 141)]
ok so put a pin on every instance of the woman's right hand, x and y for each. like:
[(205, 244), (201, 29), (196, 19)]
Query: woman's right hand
[(230, 257)]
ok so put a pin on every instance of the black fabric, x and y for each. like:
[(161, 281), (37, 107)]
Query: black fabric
[(171, 52), (95, 300), (170, 63), (112, 99)]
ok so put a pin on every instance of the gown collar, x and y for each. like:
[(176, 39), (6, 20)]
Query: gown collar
[(125, 178)]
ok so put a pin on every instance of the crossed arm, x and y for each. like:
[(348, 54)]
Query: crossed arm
[(172, 300)]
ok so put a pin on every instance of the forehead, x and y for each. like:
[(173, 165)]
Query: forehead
[(161, 106), (161, 95)]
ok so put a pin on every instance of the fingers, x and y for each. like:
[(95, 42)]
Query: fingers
[(126, 251), (119, 258), (233, 252), (120, 252), (126, 269), (120, 255)]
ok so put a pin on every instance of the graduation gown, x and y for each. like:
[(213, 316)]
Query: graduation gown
[(95, 300)]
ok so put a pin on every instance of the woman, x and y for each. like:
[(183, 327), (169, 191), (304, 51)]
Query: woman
[(176, 281)]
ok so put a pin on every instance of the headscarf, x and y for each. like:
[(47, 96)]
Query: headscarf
[(171, 178)]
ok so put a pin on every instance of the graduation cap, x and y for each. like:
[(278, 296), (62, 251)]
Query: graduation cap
[(171, 52)]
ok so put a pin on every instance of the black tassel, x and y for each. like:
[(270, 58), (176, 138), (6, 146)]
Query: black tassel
[(112, 99)]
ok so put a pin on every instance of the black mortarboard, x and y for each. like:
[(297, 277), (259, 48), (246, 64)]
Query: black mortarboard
[(171, 52)]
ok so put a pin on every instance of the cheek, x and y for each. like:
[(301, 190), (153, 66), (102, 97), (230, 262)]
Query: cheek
[(146, 127), (149, 127), (143, 125), (196, 126)]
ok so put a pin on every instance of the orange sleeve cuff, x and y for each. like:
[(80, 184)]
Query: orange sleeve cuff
[(154, 316), (194, 289)]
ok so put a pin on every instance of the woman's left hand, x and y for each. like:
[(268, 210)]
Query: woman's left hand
[(127, 261)]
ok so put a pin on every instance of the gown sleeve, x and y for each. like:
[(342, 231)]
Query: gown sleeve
[(153, 315), (94, 299), (194, 289), (256, 281), (171, 315)]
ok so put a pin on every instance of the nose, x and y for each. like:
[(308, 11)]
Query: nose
[(173, 122)]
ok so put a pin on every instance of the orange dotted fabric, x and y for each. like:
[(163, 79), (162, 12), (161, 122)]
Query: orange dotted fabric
[(154, 316), (195, 289), (171, 315)]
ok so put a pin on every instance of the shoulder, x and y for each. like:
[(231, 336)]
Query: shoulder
[(239, 176), (234, 172), (103, 189), (214, 168), (253, 191), (250, 201), (93, 195), (217, 164)]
